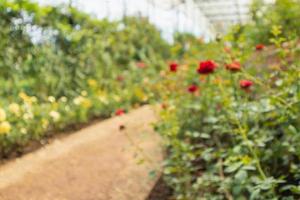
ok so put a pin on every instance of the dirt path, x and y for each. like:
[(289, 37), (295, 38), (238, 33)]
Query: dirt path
[(95, 163)]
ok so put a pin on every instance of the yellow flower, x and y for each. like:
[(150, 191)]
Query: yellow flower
[(140, 94), (103, 99), (102, 96), (246, 160), (23, 96), (84, 93), (14, 108), (45, 123), (82, 101), (87, 103), (117, 98), (27, 99), (2, 115), (5, 127), (92, 83)]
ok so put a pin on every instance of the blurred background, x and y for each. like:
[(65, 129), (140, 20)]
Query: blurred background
[(92, 55), (204, 18)]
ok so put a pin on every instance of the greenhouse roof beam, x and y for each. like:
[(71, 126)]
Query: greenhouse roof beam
[(214, 15)]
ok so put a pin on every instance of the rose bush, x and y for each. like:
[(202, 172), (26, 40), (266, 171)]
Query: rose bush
[(230, 109), (238, 137)]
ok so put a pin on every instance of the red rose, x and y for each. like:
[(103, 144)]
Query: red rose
[(260, 47), (120, 112), (207, 67), (141, 65), (173, 66), (245, 84), (234, 66), (193, 88)]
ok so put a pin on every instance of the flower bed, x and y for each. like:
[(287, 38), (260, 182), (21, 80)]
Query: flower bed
[(232, 128), (60, 66), (230, 108)]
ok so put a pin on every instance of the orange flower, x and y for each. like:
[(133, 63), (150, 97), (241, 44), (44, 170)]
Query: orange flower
[(234, 66), (260, 47)]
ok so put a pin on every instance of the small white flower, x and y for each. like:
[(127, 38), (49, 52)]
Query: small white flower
[(23, 131), (51, 99), (103, 99), (78, 100), (45, 123), (14, 108), (28, 115), (64, 99), (55, 115), (33, 99)]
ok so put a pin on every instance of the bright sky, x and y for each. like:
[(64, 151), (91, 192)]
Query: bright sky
[(168, 20)]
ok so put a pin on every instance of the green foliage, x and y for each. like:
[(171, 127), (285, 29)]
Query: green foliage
[(225, 141), (86, 66), (66, 37), (283, 13)]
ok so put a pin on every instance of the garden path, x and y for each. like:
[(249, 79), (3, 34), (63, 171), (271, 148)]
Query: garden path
[(110, 160)]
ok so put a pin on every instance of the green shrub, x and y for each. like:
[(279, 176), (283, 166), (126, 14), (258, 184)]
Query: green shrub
[(233, 133), (60, 66), (283, 13)]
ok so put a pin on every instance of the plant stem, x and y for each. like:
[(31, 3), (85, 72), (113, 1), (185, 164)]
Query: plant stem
[(251, 149), (221, 173), (245, 138)]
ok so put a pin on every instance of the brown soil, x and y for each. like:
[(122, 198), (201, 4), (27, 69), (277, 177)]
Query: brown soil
[(110, 160), (160, 192)]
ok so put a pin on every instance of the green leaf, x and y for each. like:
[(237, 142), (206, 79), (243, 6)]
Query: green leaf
[(233, 167)]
